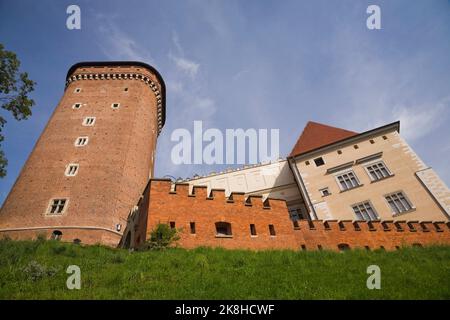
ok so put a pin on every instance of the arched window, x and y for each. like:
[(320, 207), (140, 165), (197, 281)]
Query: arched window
[(56, 235), (343, 247), (223, 229)]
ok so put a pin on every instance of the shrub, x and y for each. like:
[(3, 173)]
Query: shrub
[(35, 271), (161, 237)]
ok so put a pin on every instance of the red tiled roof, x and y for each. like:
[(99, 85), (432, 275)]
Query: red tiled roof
[(316, 135)]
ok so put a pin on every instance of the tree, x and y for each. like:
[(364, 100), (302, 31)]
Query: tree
[(14, 90)]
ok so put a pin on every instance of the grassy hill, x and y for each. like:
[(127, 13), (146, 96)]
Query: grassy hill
[(37, 270)]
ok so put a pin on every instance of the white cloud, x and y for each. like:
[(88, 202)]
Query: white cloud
[(417, 122), (187, 66), (117, 45)]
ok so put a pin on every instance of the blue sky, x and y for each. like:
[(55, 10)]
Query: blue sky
[(249, 64)]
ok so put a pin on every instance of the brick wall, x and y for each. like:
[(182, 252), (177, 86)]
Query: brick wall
[(161, 205), (205, 210)]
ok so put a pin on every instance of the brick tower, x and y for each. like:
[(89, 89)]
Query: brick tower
[(94, 157)]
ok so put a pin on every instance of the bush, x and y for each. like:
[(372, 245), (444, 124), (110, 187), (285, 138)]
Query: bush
[(35, 271), (161, 237)]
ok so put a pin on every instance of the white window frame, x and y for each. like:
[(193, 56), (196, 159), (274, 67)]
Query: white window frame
[(405, 197), (322, 190), (365, 204), (81, 145), (346, 172), (74, 106), (86, 119), (69, 167), (375, 163), (115, 108), (77, 90), (50, 205)]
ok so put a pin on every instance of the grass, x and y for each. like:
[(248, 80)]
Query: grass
[(37, 270)]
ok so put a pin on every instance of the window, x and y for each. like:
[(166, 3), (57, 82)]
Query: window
[(77, 90), (115, 105), (252, 230), (398, 202), (81, 141), (378, 171), (295, 224), (307, 163), (319, 162), (223, 229), (172, 224), (365, 211), (372, 141), (126, 89), (296, 214), (56, 235), (71, 169), (384, 138), (325, 192), (89, 121), (76, 241), (272, 230), (347, 180), (192, 226), (57, 206), (339, 152), (76, 105), (343, 247), (356, 146)]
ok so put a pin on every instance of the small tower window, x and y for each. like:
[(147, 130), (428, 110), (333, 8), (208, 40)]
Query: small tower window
[(56, 235), (72, 169), (115, 105), (253, 230), (192, 226), (89, 121), (272, 230), (77, 90), (126, 89), (172, 224), (81, 141), (57, 206), (76, 105)]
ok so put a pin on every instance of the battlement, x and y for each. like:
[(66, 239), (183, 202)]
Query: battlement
[(389, 235), (200, 192), (374, 226), (254, 223)]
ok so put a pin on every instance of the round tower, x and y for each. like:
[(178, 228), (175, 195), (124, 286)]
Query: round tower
[(94, 157)]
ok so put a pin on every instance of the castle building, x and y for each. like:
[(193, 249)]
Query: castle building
[(89, 179), (336, 174), (94, 157)]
